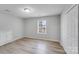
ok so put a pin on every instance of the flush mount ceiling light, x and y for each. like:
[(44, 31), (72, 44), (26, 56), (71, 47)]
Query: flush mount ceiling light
[(27, 10)]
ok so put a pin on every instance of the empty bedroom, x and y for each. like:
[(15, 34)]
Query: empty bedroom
[(38, 29)]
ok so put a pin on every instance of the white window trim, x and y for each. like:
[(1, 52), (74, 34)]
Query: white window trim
[(38, 27)]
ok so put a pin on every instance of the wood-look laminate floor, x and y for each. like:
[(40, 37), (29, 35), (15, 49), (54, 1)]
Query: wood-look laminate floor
[(32, 46)]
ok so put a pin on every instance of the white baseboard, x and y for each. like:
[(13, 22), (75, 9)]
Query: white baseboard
[(43, 39), (9, 41), (3, 43)]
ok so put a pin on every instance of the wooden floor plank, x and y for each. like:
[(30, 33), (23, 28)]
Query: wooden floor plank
[(32, 46)]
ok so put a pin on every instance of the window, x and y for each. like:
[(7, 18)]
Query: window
[(41, 27)]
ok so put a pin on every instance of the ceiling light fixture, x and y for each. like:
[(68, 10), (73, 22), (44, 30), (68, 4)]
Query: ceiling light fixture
[(27, 10)]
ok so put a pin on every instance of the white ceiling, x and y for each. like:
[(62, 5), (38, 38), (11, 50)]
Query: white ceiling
[(37, 10)]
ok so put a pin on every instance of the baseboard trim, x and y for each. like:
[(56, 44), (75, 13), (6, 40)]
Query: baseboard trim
[(11, 41), (40, 39), (28, 38)]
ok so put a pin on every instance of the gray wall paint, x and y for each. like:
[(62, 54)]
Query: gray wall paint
[(11, 23), (69, 30), (53, 28)]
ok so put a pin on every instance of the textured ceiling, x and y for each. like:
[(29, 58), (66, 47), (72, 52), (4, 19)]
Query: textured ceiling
[(37, 10)]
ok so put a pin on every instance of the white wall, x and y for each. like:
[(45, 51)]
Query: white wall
[(69, 30), (9, 23), (53, 28)]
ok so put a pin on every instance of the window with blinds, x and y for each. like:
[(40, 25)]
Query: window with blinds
[(41, 27)]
